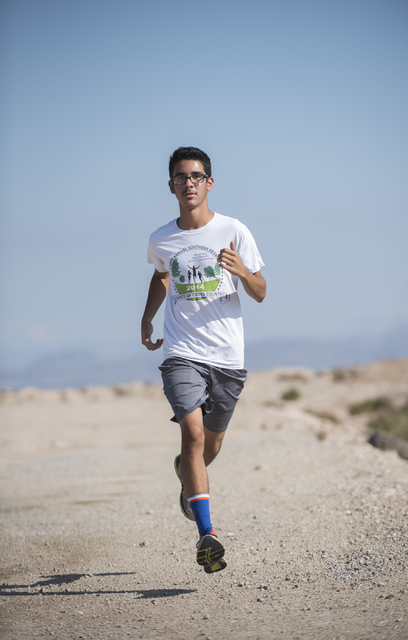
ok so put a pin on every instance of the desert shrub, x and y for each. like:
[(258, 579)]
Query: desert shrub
[(292, 377), (393, 421), (382, 403), (121, 391), (271, 403), (324, 415), (340, 375), (291, 394)]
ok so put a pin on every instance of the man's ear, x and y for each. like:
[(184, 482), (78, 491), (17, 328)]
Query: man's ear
[(171, 185), (210, 183)]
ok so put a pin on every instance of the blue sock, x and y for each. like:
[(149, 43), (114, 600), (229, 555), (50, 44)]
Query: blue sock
[(200, 506)]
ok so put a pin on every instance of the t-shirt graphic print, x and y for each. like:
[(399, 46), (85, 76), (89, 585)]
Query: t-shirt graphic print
[(195, 273)]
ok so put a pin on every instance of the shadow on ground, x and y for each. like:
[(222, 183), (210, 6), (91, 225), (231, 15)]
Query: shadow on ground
[(69, 578)]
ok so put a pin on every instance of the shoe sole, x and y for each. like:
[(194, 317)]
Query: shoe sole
[(183, 511), (176, 466), (218, 565), (211, 550), (181, 502)]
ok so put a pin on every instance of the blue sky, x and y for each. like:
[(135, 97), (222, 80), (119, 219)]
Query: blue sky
[(302, 106)]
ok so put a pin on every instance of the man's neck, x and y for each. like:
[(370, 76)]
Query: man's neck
[(191, 219)]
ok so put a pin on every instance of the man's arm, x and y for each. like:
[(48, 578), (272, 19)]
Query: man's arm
[(157, 293), (253, 283)]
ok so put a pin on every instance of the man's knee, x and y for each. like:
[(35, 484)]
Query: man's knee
[(192, 439), (212, 445), (192, 430), (212, 451)]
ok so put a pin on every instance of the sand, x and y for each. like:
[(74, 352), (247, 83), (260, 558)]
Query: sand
[(313, 518)]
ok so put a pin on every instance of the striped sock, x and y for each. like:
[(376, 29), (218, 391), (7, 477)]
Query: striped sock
[(200, 506)]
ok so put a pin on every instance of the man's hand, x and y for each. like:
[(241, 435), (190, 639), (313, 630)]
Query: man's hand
[(229, 259), (147, 332), (253, 283)]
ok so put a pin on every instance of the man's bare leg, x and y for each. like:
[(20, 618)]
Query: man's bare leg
[(193, 472), (198, 448), (212, 445)]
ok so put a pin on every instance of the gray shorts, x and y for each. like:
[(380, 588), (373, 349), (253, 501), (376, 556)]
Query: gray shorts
[(189, 385)]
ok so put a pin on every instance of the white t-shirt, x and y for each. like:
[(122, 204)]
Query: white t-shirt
[(202, 319)]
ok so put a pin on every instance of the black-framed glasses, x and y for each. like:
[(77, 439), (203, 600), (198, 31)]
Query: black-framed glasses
[(195, 178)]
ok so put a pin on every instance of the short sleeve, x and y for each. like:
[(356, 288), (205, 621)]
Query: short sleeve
[(248, 251), (154, 258)]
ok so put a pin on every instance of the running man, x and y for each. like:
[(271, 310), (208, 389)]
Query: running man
[(203, 365)]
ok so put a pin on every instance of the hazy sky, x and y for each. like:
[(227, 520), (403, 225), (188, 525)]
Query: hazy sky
[(302, 106)]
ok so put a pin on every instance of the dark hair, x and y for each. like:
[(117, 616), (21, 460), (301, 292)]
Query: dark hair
[(189, 153)]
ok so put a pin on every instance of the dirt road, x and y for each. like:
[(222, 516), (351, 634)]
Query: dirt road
[(314, 519)]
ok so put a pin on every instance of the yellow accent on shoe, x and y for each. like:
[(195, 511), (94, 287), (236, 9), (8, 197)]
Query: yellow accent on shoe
[(218, 565), (183, 502), (209, 550)]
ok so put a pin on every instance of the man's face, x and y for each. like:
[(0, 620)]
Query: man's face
[(190, 195)]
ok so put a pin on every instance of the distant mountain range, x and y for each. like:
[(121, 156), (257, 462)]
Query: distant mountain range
[(326, 354), (82, 368)]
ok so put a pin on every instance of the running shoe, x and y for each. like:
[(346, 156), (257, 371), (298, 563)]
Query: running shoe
[(184, 506), (210, 553), (218, 565)]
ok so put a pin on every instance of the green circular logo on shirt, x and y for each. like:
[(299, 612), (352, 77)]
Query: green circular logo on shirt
[(195, 273)]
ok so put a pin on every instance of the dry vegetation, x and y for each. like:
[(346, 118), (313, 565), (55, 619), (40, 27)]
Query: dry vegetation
[(383, 415)]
